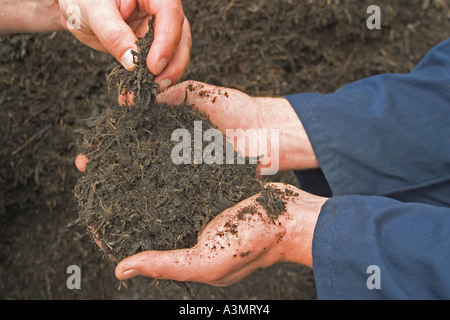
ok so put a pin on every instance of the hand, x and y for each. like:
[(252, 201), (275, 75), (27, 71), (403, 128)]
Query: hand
[(286, 143), (230, 248), (231, 109), (113, 26)]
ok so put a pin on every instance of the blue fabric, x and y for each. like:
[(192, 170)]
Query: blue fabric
[(383, 144)]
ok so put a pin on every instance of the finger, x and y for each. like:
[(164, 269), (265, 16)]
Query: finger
[(126, 8), (81, 161), (127, 98), (216, 102), (168, 25), (174, 95), (180, 265), (208, 99), (113, 33), (191, 92), (173, 72)]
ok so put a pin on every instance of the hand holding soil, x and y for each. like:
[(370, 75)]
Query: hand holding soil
[(237, 242)]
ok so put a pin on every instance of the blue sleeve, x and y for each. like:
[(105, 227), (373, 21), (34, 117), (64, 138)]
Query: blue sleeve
[(383, 144), (368, 247), (387, 134)]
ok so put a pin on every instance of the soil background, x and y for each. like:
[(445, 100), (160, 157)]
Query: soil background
[(50, 85)]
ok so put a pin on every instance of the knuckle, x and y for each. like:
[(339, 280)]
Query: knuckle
[(110, 37), (178, 13)]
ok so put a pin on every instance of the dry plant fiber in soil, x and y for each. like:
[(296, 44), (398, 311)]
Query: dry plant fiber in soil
[(132, 196)]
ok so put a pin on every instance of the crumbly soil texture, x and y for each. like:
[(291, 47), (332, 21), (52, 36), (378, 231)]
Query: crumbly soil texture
[(135, 196)]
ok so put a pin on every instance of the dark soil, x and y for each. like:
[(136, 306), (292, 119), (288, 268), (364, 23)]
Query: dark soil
[(134, 197), (51, 85), (140, 80)]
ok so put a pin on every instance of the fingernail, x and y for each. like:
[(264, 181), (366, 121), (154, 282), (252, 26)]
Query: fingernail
[(161, 65), (130, 274), (165, 84), (127, 60)]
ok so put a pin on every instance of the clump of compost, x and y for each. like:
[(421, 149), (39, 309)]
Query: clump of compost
[(133, 197)]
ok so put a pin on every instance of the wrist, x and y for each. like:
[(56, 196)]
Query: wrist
[(295, 151), (300, 219)]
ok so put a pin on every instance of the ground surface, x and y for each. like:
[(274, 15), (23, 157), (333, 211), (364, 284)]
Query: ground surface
[(50, 84)]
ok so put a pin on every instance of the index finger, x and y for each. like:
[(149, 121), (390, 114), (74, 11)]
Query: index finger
[(168, 25), (81, 161)]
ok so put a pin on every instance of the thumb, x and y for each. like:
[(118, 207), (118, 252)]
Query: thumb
[(113, 32)]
